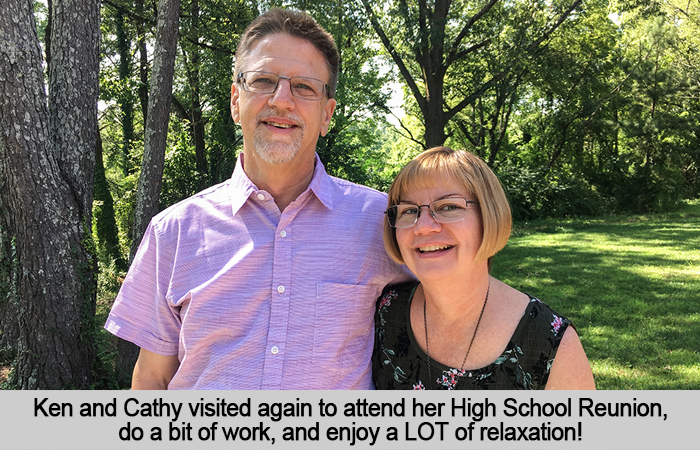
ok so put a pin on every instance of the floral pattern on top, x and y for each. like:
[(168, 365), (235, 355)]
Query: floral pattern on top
[(398, 362), (556, 323)]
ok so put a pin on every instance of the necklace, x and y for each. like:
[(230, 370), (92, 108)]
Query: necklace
[(469, 349)]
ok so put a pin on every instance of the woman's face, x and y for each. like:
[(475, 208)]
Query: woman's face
[(436, 251)]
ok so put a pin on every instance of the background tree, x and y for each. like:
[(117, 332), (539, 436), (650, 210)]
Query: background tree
[(46, 169), (427, 40), (159, 100)]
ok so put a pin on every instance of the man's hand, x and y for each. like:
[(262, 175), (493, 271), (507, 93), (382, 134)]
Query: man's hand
[(154, 371)]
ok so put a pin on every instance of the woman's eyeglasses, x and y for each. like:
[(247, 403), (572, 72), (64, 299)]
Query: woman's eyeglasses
[(445, 210)]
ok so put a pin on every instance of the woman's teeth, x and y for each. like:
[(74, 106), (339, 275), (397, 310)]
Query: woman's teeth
[(433, 248)]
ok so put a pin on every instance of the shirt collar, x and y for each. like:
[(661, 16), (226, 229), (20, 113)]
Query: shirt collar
[(242, 187)]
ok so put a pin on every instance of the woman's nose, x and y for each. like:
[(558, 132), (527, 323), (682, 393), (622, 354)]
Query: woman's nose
[(426, 222)]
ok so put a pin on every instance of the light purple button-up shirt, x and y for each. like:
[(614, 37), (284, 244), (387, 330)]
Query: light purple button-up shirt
[(251, 298)]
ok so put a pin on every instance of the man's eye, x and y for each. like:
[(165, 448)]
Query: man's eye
[(261, 81), (303, 86)]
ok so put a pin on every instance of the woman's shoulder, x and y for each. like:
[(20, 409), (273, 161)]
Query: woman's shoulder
[(399, 290), (537, 337), (540, 312)]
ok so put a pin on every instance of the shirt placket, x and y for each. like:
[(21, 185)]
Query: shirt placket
[(281, 288)]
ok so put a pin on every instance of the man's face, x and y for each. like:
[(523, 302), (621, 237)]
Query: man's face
[(279, 126)]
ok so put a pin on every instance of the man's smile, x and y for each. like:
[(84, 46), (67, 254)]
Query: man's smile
[(278, 124)]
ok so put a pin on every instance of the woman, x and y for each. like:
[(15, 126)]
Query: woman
[(457, 327)]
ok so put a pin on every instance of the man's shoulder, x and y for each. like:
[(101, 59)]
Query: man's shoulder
[(212, 200), (358, 192)]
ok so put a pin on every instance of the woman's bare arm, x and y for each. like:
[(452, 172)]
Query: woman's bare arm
[(571, 369)]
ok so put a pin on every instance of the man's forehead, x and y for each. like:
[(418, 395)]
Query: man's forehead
[(284, 52)]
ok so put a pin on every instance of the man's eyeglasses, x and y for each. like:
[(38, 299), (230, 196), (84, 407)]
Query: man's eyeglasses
[(267, 83), (445, 210)]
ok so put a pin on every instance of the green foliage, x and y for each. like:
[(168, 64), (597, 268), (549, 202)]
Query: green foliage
[(180, 176), (539, 193)]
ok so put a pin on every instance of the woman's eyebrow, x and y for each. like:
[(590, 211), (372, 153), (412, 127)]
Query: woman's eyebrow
[(454, 194)]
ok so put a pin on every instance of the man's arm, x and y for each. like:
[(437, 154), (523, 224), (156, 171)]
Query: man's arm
[(154, 371)]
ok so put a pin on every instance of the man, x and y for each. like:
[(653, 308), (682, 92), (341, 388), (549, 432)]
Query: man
[(268, 280)]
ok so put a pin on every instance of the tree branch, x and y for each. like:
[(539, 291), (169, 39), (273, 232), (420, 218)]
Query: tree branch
[(559, 21), (453, 55), (422, 102)]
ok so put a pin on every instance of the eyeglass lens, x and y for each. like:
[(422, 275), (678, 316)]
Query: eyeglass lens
[(445, 210), (267, 83)]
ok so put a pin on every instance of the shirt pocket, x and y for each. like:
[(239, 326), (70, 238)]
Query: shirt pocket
[(343, 326)]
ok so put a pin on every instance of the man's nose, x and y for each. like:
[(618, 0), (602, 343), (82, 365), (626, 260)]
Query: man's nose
[(282, 97)]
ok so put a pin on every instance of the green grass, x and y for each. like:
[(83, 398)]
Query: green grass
[(630, 285)]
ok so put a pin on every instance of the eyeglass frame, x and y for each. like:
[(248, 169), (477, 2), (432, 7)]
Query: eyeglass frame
[(241, 78), (432, 213)]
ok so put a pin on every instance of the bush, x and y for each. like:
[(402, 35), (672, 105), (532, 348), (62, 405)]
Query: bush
[(657, 189), (539, 193)]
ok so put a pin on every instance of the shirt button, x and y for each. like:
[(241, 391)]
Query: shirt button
[(283, 233), (280, 289), (274, 350), (261, 197)]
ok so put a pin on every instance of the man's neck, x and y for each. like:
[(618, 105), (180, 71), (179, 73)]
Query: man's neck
[(285, 182)]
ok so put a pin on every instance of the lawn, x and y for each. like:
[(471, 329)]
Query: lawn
[(630, 285)]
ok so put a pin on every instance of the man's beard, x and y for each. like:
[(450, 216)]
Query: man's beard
[(277, 152)]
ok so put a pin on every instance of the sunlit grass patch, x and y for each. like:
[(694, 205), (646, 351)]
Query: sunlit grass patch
[(630, 284)]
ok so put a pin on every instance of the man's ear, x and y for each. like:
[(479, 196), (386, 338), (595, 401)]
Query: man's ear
[(235, 115), (328, 110)]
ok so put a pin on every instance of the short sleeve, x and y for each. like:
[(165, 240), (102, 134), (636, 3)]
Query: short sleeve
[(142, 313)]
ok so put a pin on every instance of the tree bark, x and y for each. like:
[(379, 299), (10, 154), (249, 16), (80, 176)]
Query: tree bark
[(46, 170), (9, 326)]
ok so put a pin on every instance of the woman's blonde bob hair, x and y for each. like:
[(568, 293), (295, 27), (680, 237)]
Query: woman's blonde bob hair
[(477, 178)]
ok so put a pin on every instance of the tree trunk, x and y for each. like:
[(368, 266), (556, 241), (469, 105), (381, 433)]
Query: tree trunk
[(9, 327), (143, 62), (46, 170), (126, 99), (156, 133)]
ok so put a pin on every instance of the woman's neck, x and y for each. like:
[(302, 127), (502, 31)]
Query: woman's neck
[(456, 300)]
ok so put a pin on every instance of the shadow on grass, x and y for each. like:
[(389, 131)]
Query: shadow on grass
[(631, 289)]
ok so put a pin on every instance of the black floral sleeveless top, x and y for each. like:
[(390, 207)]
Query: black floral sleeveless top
[(399, 363)]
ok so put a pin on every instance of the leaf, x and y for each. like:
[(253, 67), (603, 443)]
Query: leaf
[(501, 359)]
